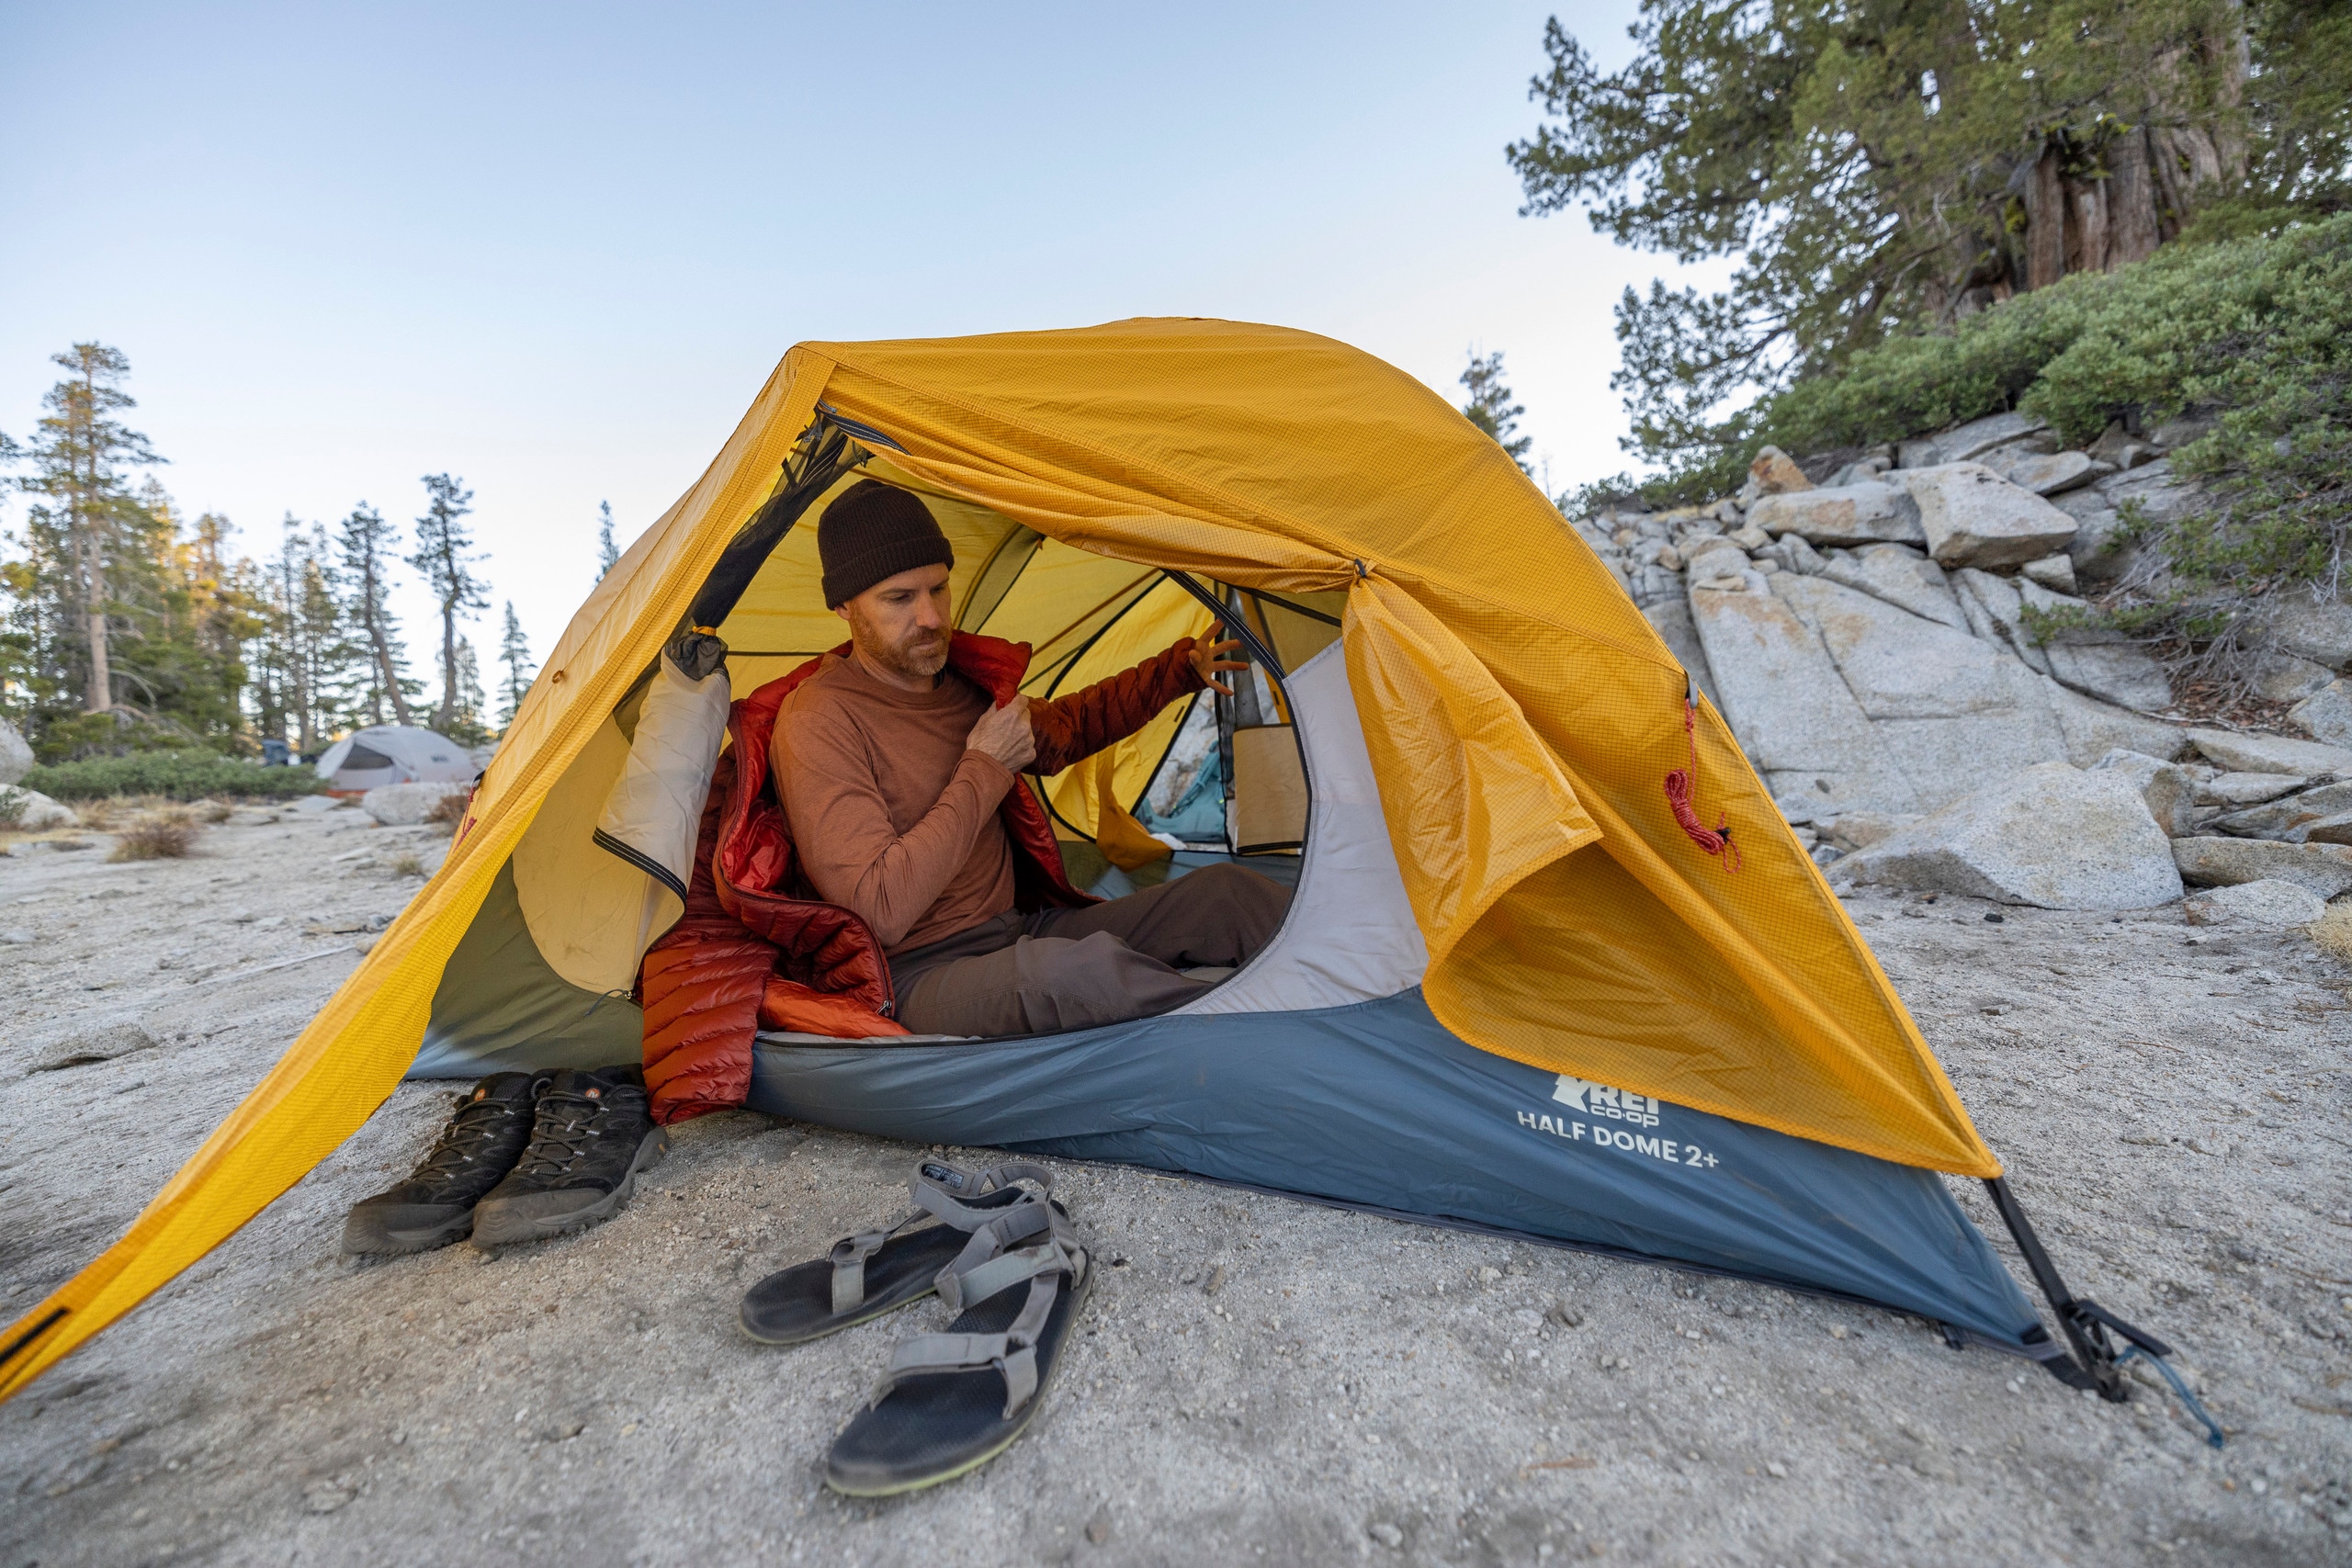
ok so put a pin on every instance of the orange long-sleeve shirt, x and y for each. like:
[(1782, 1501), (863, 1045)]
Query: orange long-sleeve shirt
[(893, 818)]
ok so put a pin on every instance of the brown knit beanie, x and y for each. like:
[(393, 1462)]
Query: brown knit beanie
[(874, 530)]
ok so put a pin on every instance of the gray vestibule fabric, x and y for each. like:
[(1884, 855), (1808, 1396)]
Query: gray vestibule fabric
[(1377, 1104), (501, 1008)]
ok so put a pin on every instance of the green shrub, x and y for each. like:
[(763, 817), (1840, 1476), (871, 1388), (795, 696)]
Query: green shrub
[(177, 775), (2256, 331)]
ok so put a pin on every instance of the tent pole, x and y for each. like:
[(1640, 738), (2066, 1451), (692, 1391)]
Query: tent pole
[(1234, 623), (822, 456), (2094, 1357)]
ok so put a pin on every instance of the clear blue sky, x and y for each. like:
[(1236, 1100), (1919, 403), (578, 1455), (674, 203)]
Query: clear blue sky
[(556, 249)]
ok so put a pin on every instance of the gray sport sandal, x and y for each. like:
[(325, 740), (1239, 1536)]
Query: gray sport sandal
[(874, 1272), (949, 1403)]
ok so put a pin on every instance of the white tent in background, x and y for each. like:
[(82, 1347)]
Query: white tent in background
[(394, 753)]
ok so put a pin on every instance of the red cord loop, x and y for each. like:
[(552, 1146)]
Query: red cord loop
[(1681, 787)]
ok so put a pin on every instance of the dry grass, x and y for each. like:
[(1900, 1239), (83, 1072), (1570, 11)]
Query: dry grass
[(162, 835), (2333, 931), (108, 813), (408, 865), (450, 808), (212, 813)]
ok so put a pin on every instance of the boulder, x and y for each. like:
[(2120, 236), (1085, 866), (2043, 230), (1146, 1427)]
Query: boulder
[(1994, 609), (2334, 830), (2170, 793), (2317, 629), (2284, 678), (16, 756), (1973, 439), (2099, 554), (2051, 836), (2154, 491), (1860, 829), (2278, 820), (1969, 515), (2271, 902), (1898, 574), (1695, 558), (406, 805), (1794, 552), (2237, 791), (2120, 447), (1853, 515), (2325, 869), (2269, 753), (2051, 473), (1774, 472), (2180, 430), (2092, 728), (2098, 663), (29, 811), (1783, 697), (1671, 619), (2328, 713), (2326, 799), (1857, 472), (2053, 572)]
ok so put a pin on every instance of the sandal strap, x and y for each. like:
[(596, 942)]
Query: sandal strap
[(1013, 1353), (989, 1243), (848, 1258), (936, 1188), (943, 1189), (987, 1265)]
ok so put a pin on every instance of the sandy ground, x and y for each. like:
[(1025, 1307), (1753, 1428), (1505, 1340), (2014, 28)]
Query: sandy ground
[(1258, 1379)]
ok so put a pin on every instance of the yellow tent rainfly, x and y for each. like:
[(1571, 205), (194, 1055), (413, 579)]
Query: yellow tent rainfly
[(1514, 991)]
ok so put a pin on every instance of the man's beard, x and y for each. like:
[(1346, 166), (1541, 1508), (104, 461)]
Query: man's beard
[(918, 656)]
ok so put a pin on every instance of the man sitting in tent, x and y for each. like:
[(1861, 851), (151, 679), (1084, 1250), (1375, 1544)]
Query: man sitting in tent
[(893, 762)]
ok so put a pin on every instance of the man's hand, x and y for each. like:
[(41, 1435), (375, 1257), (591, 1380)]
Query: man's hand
[(1003, 733), (1209, 657)]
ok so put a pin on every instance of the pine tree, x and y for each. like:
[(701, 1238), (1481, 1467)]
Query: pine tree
[(1879, 169), (515, 653), (444, 554), (1491, 410), (609, 554), (466, 724), (365, 543), (79, 456)]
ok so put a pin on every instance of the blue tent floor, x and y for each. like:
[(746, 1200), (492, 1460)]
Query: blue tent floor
[(1378, 1107)]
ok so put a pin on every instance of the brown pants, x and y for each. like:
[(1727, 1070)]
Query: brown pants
[(1056, 969)]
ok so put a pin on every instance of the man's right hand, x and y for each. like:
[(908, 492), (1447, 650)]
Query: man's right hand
[(1005, 734)]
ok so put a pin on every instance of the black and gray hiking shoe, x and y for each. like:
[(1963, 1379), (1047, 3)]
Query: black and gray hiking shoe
[(435, 1205), (595, 1133)]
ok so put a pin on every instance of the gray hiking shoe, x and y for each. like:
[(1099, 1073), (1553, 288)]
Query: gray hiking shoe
[(435, 1205), (593, 1134)]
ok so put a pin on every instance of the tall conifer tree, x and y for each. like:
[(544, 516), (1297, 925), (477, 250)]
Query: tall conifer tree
[(79, 456), (1491, 410), (444, 554), (515, 653), (609, 554), (365, 544)]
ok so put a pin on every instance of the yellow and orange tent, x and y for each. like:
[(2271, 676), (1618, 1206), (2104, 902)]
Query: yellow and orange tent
[(1484, 725)]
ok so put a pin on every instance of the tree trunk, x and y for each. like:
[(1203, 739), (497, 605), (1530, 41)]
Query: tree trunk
[(2045, 222), (441, 714), (98, 692), (2131, 228), (2086, 226), (385, 674)]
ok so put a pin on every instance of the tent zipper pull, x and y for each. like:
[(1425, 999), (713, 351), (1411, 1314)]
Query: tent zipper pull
[(1682, 785)]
